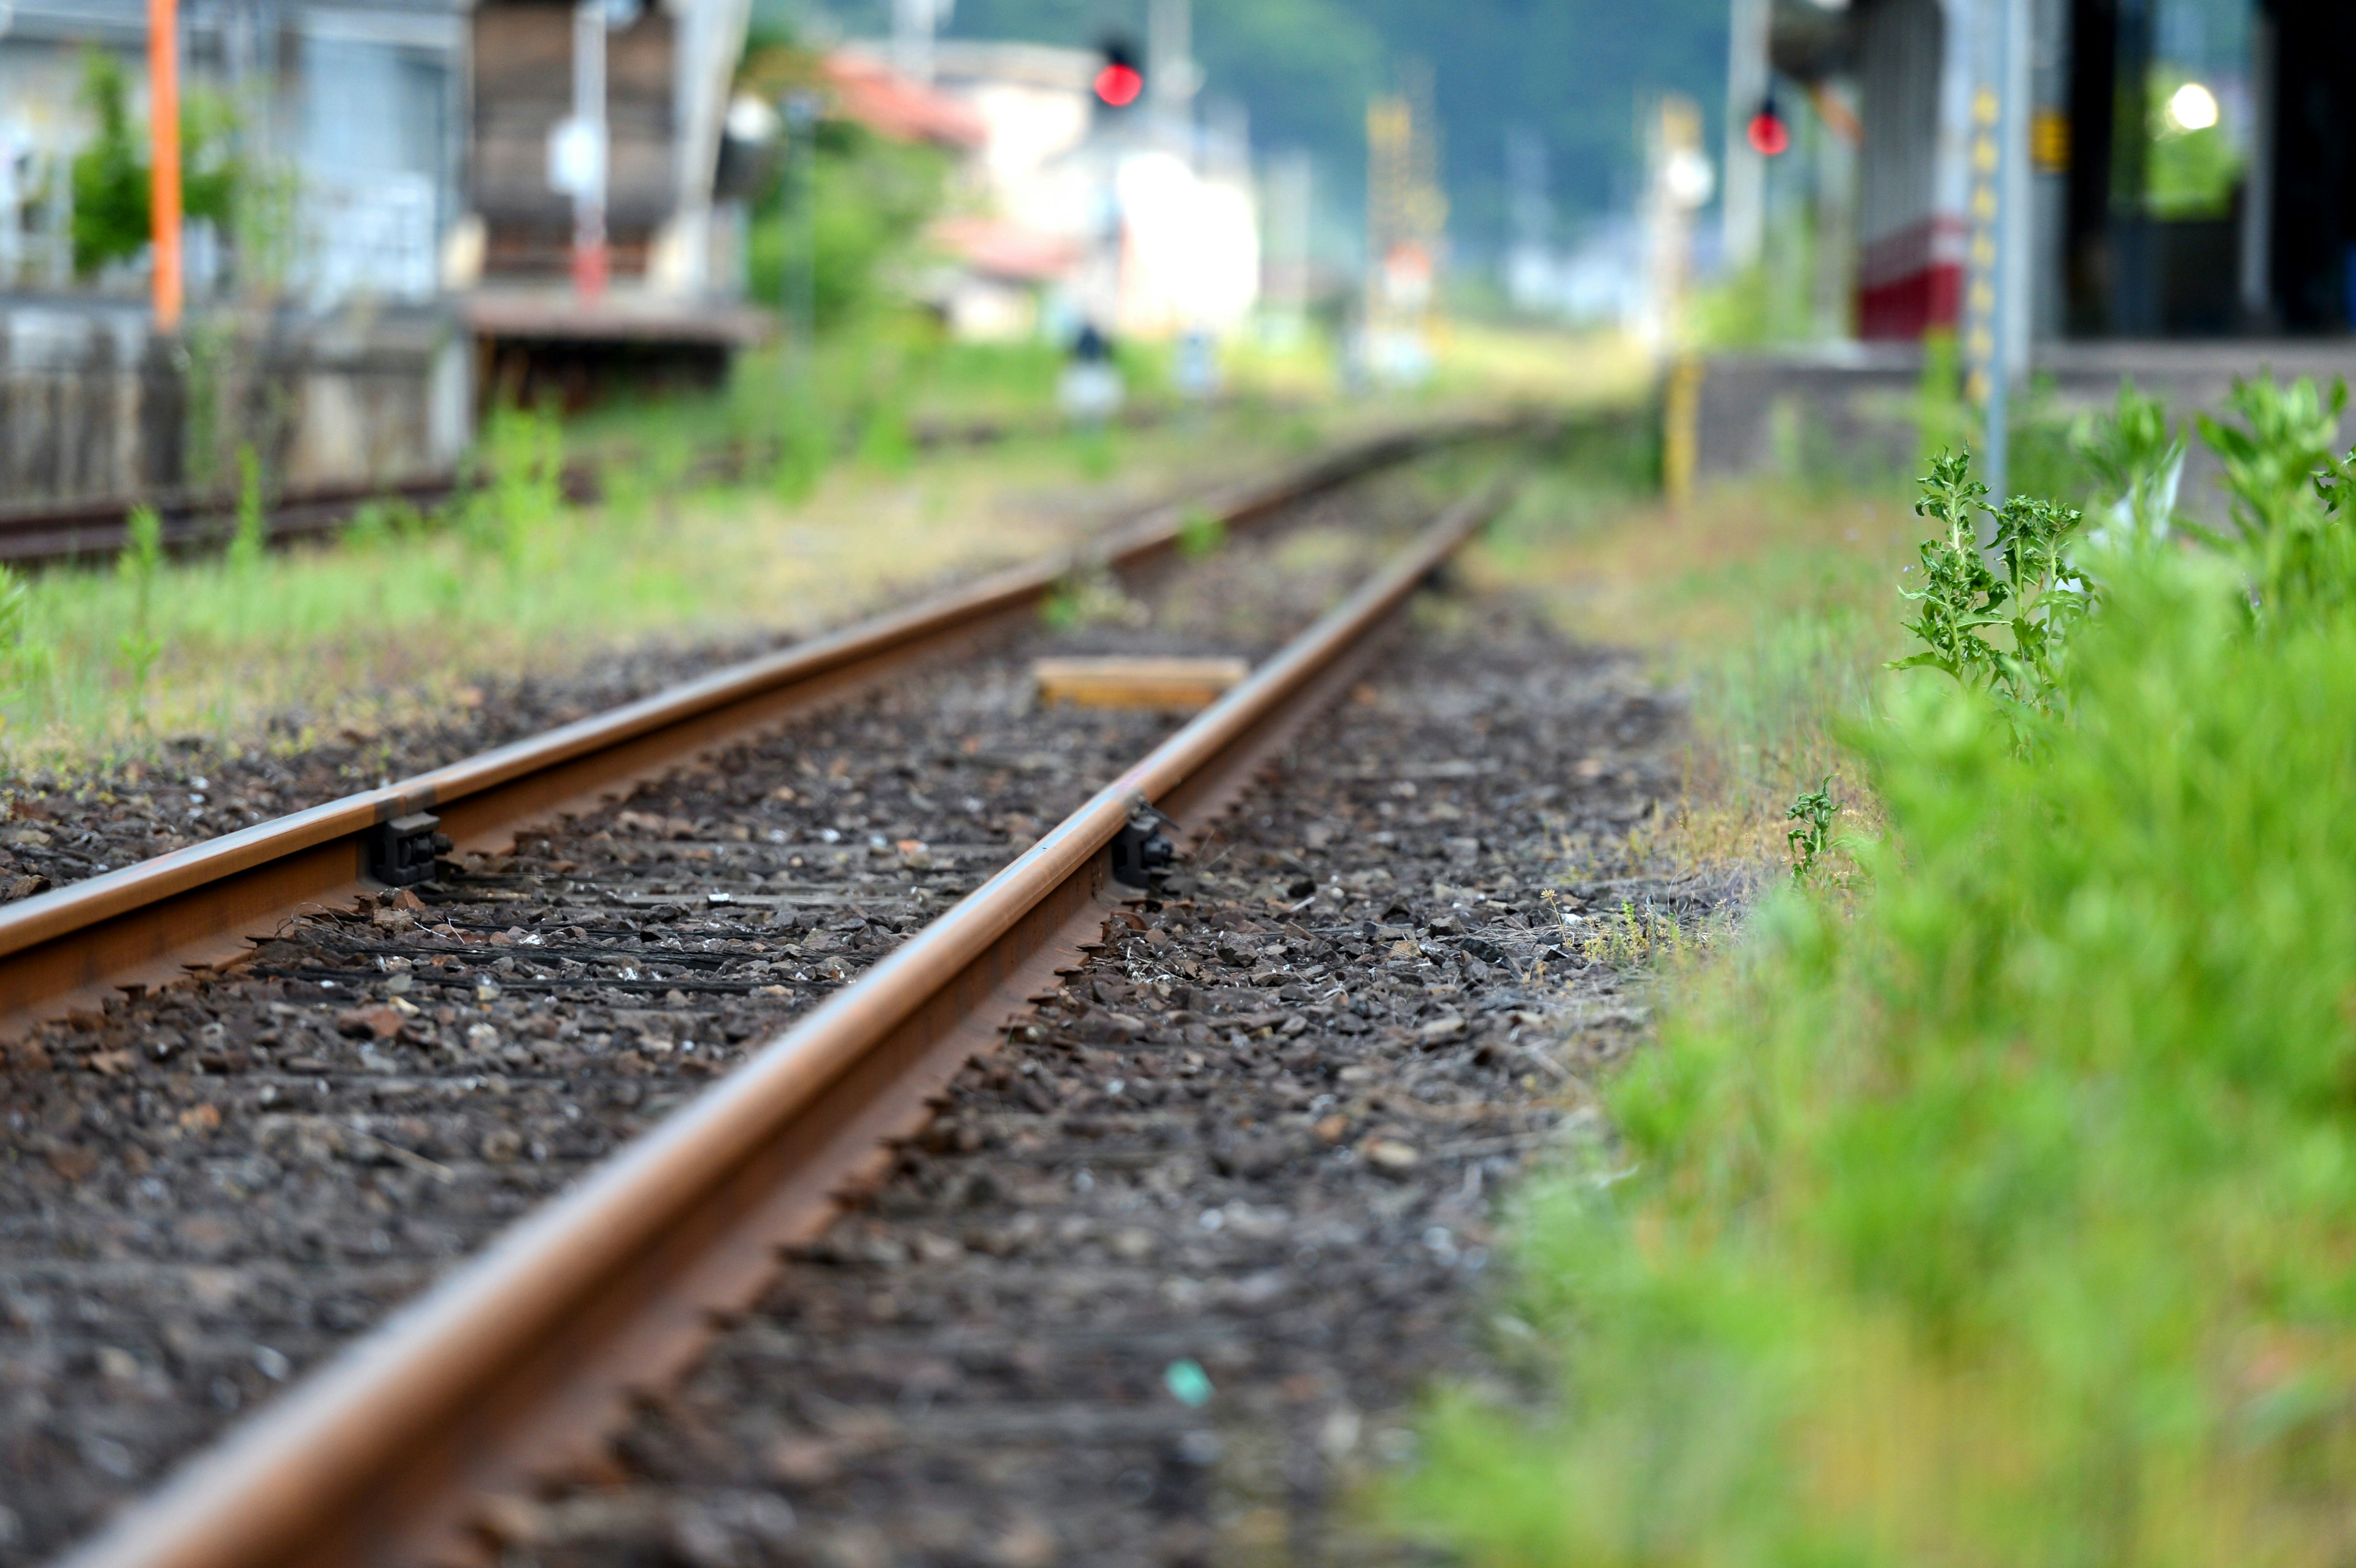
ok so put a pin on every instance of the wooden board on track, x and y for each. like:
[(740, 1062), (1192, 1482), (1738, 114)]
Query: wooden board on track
[(1117, 681)]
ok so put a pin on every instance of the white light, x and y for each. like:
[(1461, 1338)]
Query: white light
[(1688, 179), (751, 119), (2193, 107)]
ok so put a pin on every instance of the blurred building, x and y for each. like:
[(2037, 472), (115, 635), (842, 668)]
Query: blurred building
[(398, 251), (1012, 244), (2186, 200), (1147, 226)]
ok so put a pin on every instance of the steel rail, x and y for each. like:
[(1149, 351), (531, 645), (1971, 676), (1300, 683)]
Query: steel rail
[(507, 1375), (148, 923)]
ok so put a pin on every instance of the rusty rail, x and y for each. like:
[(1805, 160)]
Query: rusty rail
[(148, 923), (507, 1374)]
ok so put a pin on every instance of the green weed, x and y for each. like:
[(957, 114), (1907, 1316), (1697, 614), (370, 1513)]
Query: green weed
[(139, 647), (2136, 465), (2039, 598), (252, 536), (23, 661), (1088, 596), (1201, 534), (2285, 484), (1813, 812), (523, 457)]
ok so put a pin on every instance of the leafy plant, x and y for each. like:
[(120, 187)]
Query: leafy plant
[(523, 458), (1813, 811), (2136, 465), (2036, 600), (21, 661), (1201, 532), (1088, 596), (2286, 486), (111, 220), (252, 536), (141, 561)]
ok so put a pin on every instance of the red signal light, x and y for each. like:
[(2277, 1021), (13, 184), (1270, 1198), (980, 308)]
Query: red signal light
[(1120, 84), (1769, 136)]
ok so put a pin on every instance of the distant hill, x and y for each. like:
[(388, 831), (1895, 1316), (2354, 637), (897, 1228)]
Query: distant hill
[(1570, 70)]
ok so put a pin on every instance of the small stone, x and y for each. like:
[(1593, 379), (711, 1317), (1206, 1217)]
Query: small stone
[(502, 1146), (201, 1118), (1026, 1543), (1332, 1129), (378, 1022), (1440, 1030), (1391, 1157), (804, 1461), (73, 1164)]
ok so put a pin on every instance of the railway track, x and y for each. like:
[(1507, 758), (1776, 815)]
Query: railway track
[(149, 923), (387, 1084), (516, 1366), (793, 931)]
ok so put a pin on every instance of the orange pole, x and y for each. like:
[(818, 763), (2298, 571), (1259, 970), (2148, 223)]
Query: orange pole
[(164, 184)]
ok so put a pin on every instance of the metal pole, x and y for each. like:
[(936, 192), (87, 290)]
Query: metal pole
[(164, 139), (589, 259), (1997, 145), (801, 276), (1743, 213)]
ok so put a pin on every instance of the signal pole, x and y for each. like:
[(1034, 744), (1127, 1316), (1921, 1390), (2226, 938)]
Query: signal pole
[(164, 164), (1169, 62), (1743, 214), (1993, 308), (589, 175)]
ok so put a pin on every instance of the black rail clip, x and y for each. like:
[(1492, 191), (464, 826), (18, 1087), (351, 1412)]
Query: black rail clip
[(401, 852), (1141, 848)]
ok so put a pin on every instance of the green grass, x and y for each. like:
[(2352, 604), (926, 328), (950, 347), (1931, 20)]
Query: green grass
[(1772, 605), (1997, 1206), (405, 613)]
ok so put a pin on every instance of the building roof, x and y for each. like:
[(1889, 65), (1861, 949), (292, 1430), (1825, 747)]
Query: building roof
[(889, 104), (1000, 249)]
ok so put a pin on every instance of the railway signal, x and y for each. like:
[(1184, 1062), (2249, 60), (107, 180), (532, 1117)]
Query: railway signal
[(1768, 133), (1120, 82)]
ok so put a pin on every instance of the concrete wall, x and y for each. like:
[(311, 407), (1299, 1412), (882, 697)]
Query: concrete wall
[(1851, 413), (93, 406)]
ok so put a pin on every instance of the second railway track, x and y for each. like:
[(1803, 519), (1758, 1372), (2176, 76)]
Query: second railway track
[(330, 1024)]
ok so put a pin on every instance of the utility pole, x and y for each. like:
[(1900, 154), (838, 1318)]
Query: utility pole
[(164, 164), (800, 361), (1170, 75), (1745, 212), (914, 23), (1993, 306), (590, 158)]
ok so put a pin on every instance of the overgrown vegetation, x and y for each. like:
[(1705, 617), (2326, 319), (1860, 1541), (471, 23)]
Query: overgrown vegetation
[(396, 621), (112, 176), (1995, 1208), (139, 648)]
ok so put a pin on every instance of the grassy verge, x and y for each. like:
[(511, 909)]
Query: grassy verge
[(1999, 1208), (1771, 604), (401, 614)]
